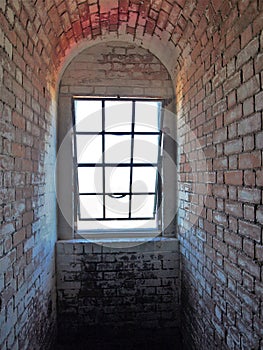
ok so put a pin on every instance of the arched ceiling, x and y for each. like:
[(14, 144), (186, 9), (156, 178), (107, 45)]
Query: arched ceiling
[(165, 27), (51, 32)]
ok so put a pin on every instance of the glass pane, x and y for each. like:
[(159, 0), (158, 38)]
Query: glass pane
[(117, 207), (117, 149), (117, 179), (142, 206), (88, 115), (118, 116), (89, 148), (144, 179), (147, 116), (146, 148), (90, 180), (91, 207)]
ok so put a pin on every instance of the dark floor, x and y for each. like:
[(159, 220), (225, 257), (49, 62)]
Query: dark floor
[(121, 340)]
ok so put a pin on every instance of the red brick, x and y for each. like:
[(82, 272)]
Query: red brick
[(233, 147), (220, 163), (234, 208), (220, 219), (259, 101), (259, 177), (220, 135), (259, 140), (248, 88), (259, 215), (259, 252), (232, 270), (249, 178), (18, 121), (220, 191), (246, 36), (234, 178), (233, 114), (249, 212), (19, 237), (249, 195), (248, 106), (248, 52), (249, 247), (248, 265), (249, 160), (259, 63), (162, 19), (233, 239), (231, 51), (249, 125)]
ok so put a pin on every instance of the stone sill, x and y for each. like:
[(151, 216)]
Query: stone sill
[(114, 245)]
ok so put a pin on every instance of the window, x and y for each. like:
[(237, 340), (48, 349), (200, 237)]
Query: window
[(117, 152)]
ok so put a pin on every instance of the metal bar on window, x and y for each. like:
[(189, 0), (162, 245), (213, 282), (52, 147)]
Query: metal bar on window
[(76, 205), (115, 193), (118, 133), (124, 165), (158, 188), (132, 152), (103, 158), (118, 219)]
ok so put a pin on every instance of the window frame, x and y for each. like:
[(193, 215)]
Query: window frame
[(157, 214)]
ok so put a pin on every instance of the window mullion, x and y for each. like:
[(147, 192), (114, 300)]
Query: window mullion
[(103, 158), (76, 207), (158, 188), (132, 152)]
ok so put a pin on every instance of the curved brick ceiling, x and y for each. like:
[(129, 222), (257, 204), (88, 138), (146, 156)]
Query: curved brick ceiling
[(163, 26), (173, 30)]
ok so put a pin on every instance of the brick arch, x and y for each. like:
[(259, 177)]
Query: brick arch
[(140, 57), (171, 30), (156, 48)]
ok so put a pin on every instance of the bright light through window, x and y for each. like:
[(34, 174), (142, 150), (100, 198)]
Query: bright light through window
[(117, 163)]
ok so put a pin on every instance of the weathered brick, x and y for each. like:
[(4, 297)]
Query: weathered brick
[(249, 195), (249, 125), (249, 160), (248, 52), (233, 208), (234, 177), (250, 230), (248, 89), (233, 146)]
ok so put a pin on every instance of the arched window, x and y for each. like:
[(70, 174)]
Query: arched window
[(113, 105)]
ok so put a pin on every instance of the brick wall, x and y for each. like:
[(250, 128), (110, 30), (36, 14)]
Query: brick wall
[(114, 291), (214, 51), (116, 68), (27, 201), (219, 91)]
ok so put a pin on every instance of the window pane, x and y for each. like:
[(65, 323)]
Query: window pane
[(117, 149), (117, 179), (117, 207), (142, 206), (146, 148), (147, 116), (91, 207), (144, 179), (89, 148), (118, 115), (90, 180), (88, 115)]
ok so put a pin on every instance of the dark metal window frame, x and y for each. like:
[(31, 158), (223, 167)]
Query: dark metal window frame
[(158, 185)]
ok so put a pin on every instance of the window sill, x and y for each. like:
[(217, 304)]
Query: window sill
[(103, 245)]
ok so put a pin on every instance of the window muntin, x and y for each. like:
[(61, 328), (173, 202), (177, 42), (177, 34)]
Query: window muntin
[(117, 160)]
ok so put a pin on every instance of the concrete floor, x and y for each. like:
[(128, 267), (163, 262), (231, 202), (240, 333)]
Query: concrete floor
[(121, 340)]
